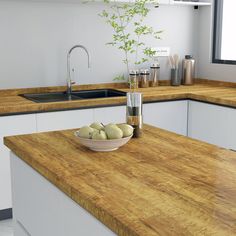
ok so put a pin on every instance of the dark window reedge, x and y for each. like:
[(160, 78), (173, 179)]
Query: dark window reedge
[(215, 31)]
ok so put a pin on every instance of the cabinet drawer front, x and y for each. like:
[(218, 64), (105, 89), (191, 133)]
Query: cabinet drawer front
[(110, 114), (64, 120), (171, 116), (209, 123), (19, 124)]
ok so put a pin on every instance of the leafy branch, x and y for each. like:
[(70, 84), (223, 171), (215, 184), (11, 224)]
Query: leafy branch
[(127, 22)]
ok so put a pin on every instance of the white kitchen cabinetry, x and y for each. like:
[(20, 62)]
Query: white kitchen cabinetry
[(108, 115), (64, 119), (76, 118), (232, 129), (191, 3), (163, 2), (210, 123), (54, 213), (200, 3), (131, 1), (11, 125), (170, 115)]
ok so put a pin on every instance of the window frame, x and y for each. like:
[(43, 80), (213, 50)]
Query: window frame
[(217, 34)]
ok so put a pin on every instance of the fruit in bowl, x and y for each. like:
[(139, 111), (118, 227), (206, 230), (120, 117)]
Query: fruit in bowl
[(99, 137), (113, 132), (86, 132)]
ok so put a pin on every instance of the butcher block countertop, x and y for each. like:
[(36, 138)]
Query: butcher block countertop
[(206, 91), (160, 184)]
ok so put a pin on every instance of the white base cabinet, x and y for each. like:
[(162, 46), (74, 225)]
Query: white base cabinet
[(11, 125), (232, 131), (59, 120), (170, 115), (54, 213), (212, 123), (108, 115), (51, 121)]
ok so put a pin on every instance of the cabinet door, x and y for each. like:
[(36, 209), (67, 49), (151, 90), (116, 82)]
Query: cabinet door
[(64, 119), (171, 116), (11, 125), (20, 230), (41, 209), (232, 129), (164, 1), (209, 123), (110, 114)]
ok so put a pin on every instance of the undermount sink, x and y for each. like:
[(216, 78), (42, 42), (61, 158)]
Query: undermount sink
[(75, 95)]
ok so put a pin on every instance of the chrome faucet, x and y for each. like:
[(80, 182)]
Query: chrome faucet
[(69, 81)]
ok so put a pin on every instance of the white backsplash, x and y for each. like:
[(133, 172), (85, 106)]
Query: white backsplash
[(35, 38)]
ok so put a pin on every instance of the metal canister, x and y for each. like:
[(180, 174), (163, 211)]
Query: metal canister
[(133, 79), (144, 78), (188, 70), (155, 74)]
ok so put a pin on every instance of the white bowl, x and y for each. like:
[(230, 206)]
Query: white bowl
[(103, 145)]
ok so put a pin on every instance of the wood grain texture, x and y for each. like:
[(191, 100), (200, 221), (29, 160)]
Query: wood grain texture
[(160, 184), (217, 93)]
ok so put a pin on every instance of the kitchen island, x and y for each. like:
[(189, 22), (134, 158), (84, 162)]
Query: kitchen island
[(160, 184)]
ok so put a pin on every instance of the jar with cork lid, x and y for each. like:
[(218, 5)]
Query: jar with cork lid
[(133, 79), (155, 74), (144, 78)]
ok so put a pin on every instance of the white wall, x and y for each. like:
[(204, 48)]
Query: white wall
[(35, 38), (206, 69)]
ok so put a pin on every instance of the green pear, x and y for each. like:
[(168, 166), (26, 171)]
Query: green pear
[(111, 125), (113, 132), (99, 135), (127, 129), (97, 125), (85, 132)]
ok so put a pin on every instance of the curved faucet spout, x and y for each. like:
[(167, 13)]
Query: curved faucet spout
[(69, 82)]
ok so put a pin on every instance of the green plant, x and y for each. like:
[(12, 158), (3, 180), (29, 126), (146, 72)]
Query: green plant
[(127, 21)]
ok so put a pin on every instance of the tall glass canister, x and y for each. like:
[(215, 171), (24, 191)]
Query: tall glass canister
[(134, 112), (133, 79)]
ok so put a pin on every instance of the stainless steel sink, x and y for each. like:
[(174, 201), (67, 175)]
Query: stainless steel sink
[(76, 95)]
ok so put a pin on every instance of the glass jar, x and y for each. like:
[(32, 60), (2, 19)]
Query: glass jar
[(134, 112), (133, 79), (144, 78), (155, 74)]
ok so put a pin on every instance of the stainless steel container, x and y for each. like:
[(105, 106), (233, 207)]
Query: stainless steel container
[(155, 74), (175, 78), (188, 70), (144, 78)]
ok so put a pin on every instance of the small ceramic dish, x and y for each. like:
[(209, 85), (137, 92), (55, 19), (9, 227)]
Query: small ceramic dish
[(103, 145)]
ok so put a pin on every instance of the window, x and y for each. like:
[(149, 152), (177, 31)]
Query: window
[(224, 36)]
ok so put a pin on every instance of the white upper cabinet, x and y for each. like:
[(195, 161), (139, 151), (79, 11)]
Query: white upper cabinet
[(161, 2), (164, 2), (64, 119), (191, 3), (171, 115), (11, 125)]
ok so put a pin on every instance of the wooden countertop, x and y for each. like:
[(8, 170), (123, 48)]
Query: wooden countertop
[(160, 184), (213, 92)]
